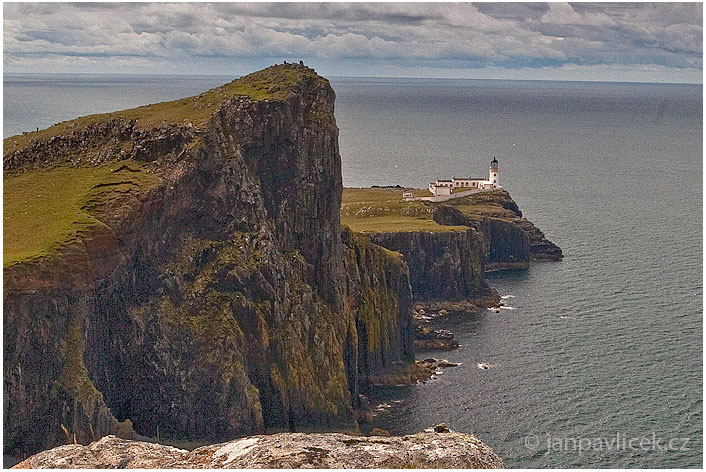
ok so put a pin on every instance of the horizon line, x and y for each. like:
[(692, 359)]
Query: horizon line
[(362, 77)]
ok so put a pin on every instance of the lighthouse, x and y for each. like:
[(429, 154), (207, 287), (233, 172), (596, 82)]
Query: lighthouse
[(494, 174)]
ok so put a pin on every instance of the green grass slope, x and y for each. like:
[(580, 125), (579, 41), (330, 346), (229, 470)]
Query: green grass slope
[(273, 83), (383, 210), (44, 209)]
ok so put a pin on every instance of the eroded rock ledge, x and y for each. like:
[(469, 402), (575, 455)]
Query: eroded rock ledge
[(283, 450)]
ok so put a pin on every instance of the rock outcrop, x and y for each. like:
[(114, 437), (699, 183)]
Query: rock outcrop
[(427, 339), (284, 450), (220, 300), (541, 249), (512, 240), (508, 244)]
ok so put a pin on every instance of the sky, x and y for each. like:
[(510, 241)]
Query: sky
[(643, 42)]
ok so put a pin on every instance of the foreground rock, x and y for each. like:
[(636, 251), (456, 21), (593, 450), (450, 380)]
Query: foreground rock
[(284, 450)]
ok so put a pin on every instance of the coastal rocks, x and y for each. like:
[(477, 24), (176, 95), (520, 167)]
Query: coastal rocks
[(425, 311), (444, 363), (438, 450), (410, 374), (441, 428), (405, 374), (541, 249), (434, 339), (427, 338)]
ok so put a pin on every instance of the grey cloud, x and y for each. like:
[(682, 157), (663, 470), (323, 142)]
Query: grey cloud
[(456, 35)]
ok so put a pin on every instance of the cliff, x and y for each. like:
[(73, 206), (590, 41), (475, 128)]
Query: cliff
[(179, 269), (377, 283), (513, 239), (448, 246), (442, 265), (446, 258), (284, 450)]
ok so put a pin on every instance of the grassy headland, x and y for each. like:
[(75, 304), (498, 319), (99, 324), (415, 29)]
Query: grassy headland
[(489, 204), (46, 208), (43, 209), (384, 210), (273, 83)]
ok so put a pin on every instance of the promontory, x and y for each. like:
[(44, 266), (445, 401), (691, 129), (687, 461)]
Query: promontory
[(180, 271)]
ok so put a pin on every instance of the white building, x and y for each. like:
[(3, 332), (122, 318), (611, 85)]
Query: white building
[(446, 187)]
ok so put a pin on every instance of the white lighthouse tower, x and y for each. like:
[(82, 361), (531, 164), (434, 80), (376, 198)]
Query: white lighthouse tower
[(494, 173)]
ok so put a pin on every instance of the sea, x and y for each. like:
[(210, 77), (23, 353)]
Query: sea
[(596, 360)]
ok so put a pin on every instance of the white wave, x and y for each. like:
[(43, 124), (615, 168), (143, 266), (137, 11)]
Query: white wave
[(507, 296), (503, 307)]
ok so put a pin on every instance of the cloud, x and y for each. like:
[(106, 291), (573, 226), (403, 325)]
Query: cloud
[(457, 35)]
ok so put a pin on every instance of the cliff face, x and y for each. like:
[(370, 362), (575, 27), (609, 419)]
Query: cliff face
[(506, 244), (540, 248), (448, 246), (220, 299), (377, 284), (513, 240), (443, 266), (509, 245)]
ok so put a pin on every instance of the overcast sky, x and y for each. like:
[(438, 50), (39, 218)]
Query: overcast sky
[(659, 42)]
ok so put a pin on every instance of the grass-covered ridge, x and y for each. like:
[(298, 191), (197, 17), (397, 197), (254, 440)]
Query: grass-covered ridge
[(489, 204), (44, 209), (48, 207), (274, 83), (384, 210)]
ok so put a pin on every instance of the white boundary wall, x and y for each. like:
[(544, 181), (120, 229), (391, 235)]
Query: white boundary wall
[(444, 198)]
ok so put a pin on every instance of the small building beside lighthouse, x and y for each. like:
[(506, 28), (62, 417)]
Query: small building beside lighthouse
[(446, 187)]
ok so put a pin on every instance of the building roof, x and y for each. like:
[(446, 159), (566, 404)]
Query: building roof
[(470, 178)]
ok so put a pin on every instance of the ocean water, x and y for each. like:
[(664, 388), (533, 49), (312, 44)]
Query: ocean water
[(596, 361)]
